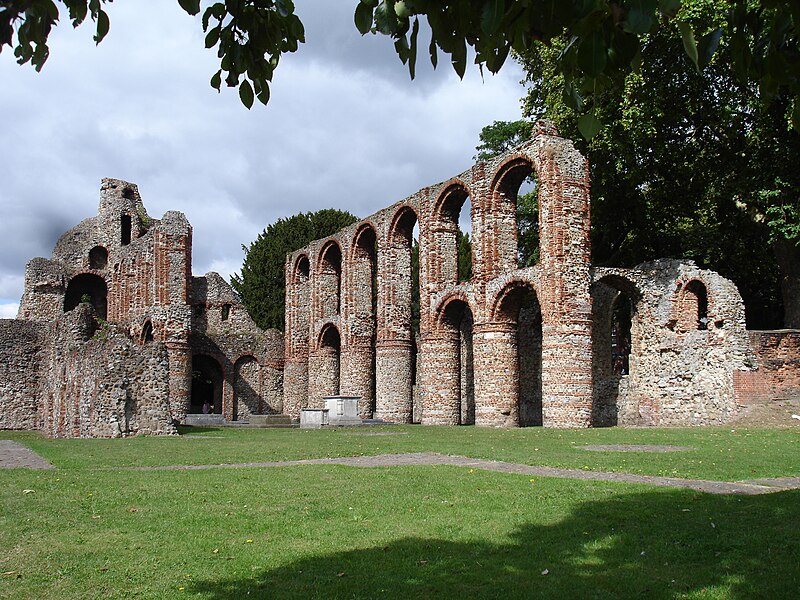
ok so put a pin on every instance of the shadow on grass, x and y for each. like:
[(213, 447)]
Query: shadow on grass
[(662, 544), (196, 430)]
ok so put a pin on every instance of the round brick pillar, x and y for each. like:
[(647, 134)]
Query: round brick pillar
[(440, 376), (179, 359), (496, 374), (393, 381)]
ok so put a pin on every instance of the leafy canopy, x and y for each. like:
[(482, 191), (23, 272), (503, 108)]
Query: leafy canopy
[(692, 165), (604, 38), (261, 284)]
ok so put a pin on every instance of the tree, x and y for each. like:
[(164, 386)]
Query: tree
[(692, 165), (261, 284), (604, 37)]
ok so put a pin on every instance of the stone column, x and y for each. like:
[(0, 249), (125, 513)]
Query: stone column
[(393, 380), (440, 378), (496, 367), (357, 374), (179, 360)]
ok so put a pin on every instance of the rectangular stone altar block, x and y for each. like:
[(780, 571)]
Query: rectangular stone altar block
[(313, 418), (343, 410)]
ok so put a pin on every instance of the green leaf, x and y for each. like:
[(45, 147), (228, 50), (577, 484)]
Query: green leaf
[(459, 58), (216, 80), (190, 6), (212, 37), (708, 46), (492, 15), (669, 7), (412, 54), (102, 26), (795, 119), (640, 16), (246, 94), (592, 54), (689, 43), (363, 18), (589, 126)]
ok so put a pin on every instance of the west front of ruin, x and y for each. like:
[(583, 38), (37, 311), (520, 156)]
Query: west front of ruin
[(116, 337)]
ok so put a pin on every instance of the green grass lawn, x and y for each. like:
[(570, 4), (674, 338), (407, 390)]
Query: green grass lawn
[(87, 531)]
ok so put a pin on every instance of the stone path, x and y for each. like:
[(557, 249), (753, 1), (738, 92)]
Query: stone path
[(14, 455), (430, 458)]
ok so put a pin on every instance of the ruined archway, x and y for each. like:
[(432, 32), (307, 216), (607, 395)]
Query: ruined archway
[(98, 258), (451, 399), (499, 230), (692, 307), (616, 346), (87, 287), (207, 379), (394, 364), (447, 239), (326, 367), (246, 388), (518, 317), (329, 280), (358, 356)]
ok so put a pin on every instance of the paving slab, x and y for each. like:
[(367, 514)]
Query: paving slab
[(17, 456)]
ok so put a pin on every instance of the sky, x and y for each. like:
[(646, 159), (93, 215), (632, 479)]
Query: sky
[(345, 128)]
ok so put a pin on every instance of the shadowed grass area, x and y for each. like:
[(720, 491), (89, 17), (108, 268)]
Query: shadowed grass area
[(402, 532), (716, 453)]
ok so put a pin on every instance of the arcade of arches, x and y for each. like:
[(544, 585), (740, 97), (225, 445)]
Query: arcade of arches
[(559, 344)]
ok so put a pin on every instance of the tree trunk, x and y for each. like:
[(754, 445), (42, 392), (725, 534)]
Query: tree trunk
[(787, 253)]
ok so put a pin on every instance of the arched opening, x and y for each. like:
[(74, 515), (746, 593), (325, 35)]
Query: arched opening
[(87, 287), (450, 258), (457, 321), (125, 230), (330, 280), (226, 311), (98, 258), (246, 395), (359, 375), (693, 307), (206, 386), (511, 233), (330, 361), (519, 305), (614, 350), (147, 332)]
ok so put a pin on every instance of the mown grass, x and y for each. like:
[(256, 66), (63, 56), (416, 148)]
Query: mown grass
[(716, 453), (327, 531)]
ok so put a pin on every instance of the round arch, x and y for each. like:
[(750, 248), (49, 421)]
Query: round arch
[(207, 380), (87, 286)]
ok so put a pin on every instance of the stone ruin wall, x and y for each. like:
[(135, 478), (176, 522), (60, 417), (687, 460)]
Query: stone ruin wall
[(20, 347), (777, 376), (123, 365), (250, 358), (539, 347), (330, 321), (100, 383), (680, 373)]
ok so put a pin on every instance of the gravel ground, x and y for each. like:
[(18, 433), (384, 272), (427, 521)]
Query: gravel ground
[(17, 456)]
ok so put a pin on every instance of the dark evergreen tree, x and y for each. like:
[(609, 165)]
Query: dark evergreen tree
[(261, 284)]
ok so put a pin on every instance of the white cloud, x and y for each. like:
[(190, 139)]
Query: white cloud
[(9, 311), (345, 128)]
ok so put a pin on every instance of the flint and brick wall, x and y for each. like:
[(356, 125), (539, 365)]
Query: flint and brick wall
[(777, 374)]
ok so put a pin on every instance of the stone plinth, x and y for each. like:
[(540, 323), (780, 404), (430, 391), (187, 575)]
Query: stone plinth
[(343, 410), (314, 418)]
